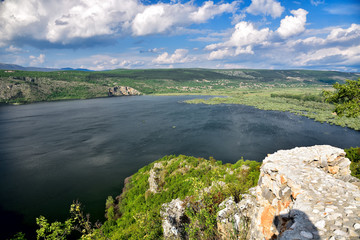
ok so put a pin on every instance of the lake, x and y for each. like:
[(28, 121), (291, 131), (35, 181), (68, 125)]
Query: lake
[(56, 152)]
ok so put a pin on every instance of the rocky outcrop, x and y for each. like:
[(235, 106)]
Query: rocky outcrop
[(27, 79), (123, 91), (232, 220), (30, 89), (302, 193), (173, 221), (174, 217), (154, 178)]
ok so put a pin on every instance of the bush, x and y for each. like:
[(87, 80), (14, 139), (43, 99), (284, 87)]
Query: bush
[(346, 98), (354, 155)]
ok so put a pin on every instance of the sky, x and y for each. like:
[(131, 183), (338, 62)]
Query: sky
[(111, 34)]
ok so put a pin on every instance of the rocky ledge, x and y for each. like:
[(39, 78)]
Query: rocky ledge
[(302, 193), (122, 91)]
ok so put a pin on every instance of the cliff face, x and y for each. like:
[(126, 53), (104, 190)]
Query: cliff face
[(302, 193), (123, 91)]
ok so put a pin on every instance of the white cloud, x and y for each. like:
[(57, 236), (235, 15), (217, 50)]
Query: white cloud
[(209, 10), (317, 2), (340, 47), (221, 53), (74, 21), (244, 37), (179, 56), (35, 61), (293, 25), (102, 62), (331, 56), (153, 20), (13, 49), (326, 48), (130, 63), (266, 7), (342, 35), (246, 34), (160, 18), (337, 36), (86, 19)]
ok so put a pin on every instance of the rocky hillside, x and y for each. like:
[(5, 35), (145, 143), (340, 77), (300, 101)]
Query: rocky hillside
[(33, 89), (302, 193), (19, 86)]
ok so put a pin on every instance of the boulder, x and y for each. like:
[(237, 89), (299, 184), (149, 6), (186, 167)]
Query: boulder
[(174, 219), (154, 178)]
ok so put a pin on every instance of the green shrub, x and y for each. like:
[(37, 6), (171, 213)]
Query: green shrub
[(354, 155), (18, 236)]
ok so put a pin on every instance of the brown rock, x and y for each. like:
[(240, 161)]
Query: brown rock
[(267, 217)]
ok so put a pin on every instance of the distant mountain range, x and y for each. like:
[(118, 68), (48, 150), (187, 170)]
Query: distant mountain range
[(5, 66), (76, 69)]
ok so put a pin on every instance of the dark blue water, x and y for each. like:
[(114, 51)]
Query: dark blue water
[(54, 153)]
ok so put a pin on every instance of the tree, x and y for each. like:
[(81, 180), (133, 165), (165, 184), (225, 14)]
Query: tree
[(60, 231), (346, 98)]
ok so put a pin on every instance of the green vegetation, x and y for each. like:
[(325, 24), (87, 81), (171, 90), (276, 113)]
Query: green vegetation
[(135, 214), (62, 231), (26, 87), (354, 155), (19, 236), (346, 98)]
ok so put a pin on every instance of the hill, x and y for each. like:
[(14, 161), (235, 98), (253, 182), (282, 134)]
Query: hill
[(5, 66), (34, 86)]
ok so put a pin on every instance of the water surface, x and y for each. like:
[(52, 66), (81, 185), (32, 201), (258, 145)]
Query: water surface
[(54, 153)]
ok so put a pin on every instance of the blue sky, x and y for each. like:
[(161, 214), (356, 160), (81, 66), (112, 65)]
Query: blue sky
[(110, 34)]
